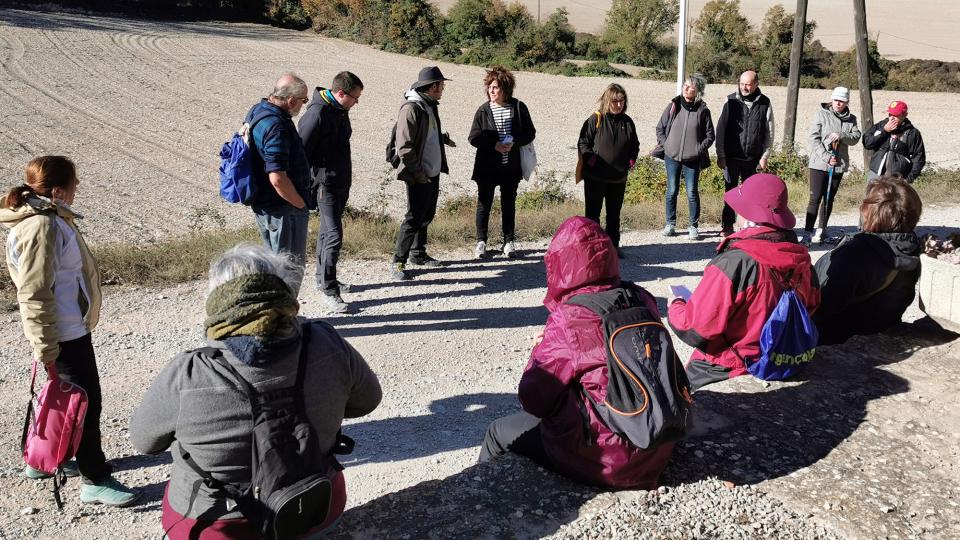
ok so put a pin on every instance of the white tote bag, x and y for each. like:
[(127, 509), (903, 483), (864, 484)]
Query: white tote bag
[(528, 160)]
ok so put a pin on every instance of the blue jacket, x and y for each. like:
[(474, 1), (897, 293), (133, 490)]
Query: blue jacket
[(278, 148)]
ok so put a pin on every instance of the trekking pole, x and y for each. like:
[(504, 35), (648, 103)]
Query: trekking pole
[(826, 201)]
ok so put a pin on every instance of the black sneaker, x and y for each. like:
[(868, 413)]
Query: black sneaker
[(425, 260), (398, 272)]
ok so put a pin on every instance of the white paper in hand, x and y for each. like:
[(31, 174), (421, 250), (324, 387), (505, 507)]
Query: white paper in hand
[(680, 291)]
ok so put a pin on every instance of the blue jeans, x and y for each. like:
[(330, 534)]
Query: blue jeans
[(284, 229), (691, 176)]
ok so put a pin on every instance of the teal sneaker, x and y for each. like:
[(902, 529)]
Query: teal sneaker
[(109, 492), (69, 468)]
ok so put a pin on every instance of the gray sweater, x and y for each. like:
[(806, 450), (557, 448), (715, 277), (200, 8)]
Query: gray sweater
[(194, 403)]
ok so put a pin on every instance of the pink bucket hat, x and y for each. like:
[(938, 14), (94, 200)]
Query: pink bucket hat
[(762, 198)]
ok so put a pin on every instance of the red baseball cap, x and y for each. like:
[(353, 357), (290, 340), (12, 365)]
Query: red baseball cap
[(896, 108)]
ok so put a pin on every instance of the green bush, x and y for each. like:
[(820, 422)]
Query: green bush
[(646, 182), (414, 26), (633, 30), (548, 190), (287, 14), (789, 166)]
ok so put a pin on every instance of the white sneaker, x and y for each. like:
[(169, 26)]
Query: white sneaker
[(509, 250), (817, 237), (481, 251)]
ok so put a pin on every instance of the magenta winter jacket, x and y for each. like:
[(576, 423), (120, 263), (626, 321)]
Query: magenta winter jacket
[(581, 259)]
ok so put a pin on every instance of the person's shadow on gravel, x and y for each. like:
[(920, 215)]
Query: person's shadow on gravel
[(454, 423), (509, 497), (748, 437), (351, 326)]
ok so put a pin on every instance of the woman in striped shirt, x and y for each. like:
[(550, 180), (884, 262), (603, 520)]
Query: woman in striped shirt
[(500, 127)]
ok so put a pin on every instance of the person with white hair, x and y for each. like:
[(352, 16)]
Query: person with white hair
[(684, 134), (281, 169), (196, 406)]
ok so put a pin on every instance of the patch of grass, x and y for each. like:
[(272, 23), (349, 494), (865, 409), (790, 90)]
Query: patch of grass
[(370, 232)]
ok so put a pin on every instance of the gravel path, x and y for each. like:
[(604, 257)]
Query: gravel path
[(866, 447), (144, 106)]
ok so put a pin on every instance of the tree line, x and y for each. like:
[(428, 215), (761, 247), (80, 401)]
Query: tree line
[(637, 32)]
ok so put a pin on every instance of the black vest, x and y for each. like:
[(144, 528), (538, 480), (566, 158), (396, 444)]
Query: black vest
[(746, 127)]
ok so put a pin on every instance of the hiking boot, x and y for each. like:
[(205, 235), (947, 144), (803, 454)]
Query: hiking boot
[(817, 237), (109, 492), (398, 271), (344, 287), (806, 238), (425, 260), (669, 230), (334, 303), (69, 469), (481, 250), (693, 233), (621, 254), (509, 250)]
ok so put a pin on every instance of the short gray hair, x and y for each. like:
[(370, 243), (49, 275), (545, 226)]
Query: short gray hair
[(288, 86), (245, 259), (699, 82)]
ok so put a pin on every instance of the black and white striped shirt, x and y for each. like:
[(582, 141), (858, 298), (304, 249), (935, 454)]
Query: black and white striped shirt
[(501, 117)]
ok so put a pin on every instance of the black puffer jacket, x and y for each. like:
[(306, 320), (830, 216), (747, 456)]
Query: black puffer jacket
[(903, 149), (608, 145), (851, 276), (488, 165)]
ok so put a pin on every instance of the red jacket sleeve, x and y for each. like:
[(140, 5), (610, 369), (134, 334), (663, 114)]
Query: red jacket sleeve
[(701, 321), (550, 370)]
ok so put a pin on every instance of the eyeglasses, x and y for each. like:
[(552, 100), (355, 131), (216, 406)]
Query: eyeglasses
[(355, 98), (303, 99), (618, 101)]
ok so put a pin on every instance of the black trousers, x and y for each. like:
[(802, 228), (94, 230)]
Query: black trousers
[(421, 208), (508, 208), (818, 188), (518, 433), (594, 195), (330, 205), (735, 172), (78, 365)]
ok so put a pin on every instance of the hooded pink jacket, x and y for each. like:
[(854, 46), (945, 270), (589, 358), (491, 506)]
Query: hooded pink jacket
[(572, 355)]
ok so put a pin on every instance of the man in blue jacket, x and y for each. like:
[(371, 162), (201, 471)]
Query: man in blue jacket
[(325, 130), (280, 161)]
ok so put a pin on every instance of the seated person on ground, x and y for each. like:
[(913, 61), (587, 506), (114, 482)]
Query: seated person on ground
[(741, 286), (870, 278), (197, 405), (559, 428)]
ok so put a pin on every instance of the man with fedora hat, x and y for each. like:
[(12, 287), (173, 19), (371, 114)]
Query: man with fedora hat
[(420, 158), (897, 145), (741, 286)]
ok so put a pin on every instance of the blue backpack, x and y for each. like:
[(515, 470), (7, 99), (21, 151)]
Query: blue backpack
[(238, 184), (788, 340)]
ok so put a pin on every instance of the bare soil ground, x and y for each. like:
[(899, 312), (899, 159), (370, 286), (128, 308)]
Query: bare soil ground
[(144, 106)]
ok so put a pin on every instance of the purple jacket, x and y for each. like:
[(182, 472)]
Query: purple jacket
[(572, 355)]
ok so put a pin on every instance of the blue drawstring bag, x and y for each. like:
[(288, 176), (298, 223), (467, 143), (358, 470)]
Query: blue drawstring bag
[(788, 340)]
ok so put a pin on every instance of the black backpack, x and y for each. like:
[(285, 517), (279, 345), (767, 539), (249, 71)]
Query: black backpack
[(290, 490), (648, 398)]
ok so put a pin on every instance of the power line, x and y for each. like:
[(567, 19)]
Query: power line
[(918, 42)]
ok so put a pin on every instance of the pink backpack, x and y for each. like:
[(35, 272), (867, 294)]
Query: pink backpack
[(53, 426)]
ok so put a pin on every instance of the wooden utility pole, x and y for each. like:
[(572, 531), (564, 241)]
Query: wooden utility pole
[(863, 72), (682, 47), (793, 84)]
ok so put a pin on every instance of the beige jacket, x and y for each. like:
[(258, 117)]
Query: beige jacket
[(58, 284)]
